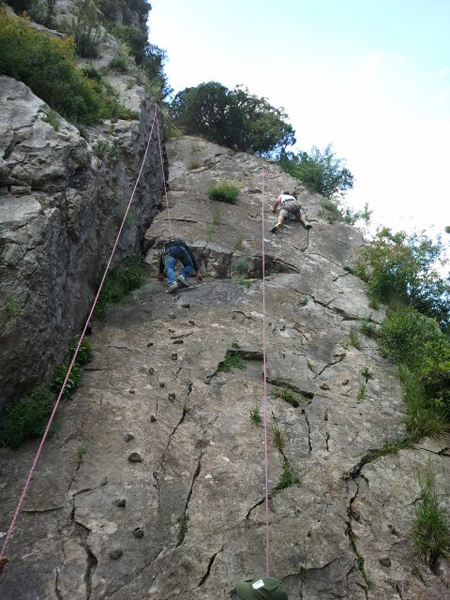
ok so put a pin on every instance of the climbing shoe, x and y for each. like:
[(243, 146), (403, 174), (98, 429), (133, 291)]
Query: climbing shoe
[(172, 287), (276, 228), (307, 225), (182, 281)]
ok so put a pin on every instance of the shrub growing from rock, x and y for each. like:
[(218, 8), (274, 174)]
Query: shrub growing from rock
[(48, 66), (224, 191)]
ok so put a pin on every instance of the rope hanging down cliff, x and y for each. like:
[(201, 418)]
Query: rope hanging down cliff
[(266, 476)]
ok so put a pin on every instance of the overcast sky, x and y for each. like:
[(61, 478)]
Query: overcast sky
[(369, 77)]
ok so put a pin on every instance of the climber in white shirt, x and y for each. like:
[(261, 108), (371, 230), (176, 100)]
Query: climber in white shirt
[(289, 209)]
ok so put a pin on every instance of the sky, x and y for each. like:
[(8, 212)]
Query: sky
[(369, 77)]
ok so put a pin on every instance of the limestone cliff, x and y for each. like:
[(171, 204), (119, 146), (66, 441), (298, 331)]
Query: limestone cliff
[(62, 198), (153, 486)]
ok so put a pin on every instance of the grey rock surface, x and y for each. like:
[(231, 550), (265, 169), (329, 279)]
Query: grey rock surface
[(60, 210), (339, 523)]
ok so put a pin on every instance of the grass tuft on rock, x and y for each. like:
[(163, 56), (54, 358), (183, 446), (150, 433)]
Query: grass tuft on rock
[(224, 191), (233, 360), (431, 530)]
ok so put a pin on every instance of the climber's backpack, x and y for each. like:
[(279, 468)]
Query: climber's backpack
[(173, 242)]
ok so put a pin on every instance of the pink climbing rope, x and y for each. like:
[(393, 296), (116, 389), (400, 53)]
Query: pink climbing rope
[(266, 461), (164, 180), (69, 370)]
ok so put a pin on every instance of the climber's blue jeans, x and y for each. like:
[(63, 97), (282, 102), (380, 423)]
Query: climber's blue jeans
[(170, 261)]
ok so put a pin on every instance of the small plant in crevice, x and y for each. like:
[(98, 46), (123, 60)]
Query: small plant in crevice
[(366, 373), (292, 398), (241, 267), (186, 407), (101, 149), (431, 529), (369, 328), (233, 360), (391, 447), (83, 132), (287, 479), (255, 415), (81, 451), (12, 308), (183, 525), (302, 574), (354, 339), (52, 119), (73, 380), (120, 63), (193, 164), (361, 392), (417, 573), (242, 281), (194, 161), (216, 217), (131, 218), (235, 344), (84, 355), (311, 366), (238, 242), (359, 559), (279, 439)]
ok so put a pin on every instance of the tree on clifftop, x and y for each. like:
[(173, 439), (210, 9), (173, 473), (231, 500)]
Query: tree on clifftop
[(232, 118), (320, 172)]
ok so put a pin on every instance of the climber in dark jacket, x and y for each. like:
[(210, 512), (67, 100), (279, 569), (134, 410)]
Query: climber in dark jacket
[(173, 250)]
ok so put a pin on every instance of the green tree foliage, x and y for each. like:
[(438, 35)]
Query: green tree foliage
[(47, 65), (401, 272), (232, 118), (320, 172), (404, 270), (416, 341)]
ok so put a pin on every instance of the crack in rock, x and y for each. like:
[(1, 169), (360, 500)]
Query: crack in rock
[(279, 382), (91, 559), (32, 511), (339, 359), (351, 536), (249, 512), (57, 590), (166, 449), (208, 570), (308, 426), (184, 516)]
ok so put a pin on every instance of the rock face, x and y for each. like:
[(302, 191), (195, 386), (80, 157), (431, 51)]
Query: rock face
[(60, 210), (153, 486)]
